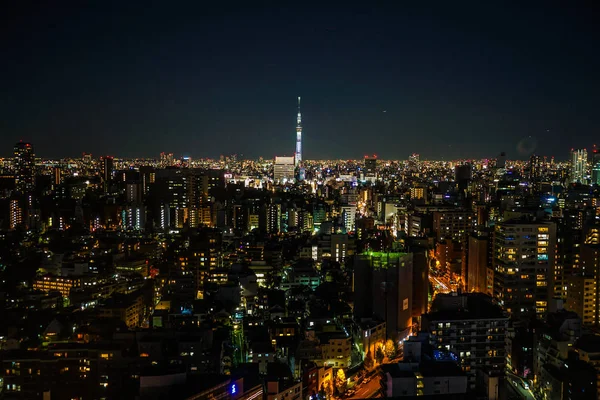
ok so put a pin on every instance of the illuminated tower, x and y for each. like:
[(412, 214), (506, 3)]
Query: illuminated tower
[(24, 163), (299, 135)]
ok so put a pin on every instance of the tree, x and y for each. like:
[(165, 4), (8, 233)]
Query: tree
[(379, 356), (390, 349), (340, 381), (368, 360)]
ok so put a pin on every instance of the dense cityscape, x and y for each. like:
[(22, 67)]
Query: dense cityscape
[(296, 201), (299, 279)]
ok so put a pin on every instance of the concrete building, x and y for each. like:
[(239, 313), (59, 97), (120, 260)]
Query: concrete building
[(283, 169), (425, 371), (383, 290), (57, 284), (524, 266), (336, 349), (454, 224), (582, 298), (479, 260), (470, 326)]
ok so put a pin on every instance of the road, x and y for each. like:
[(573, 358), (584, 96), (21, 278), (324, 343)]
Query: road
[(368, 390), (519, 389)]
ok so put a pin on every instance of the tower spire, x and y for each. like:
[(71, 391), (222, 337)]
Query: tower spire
[(299, 135)]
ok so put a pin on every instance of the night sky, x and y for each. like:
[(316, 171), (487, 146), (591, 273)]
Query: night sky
[(194, 79)]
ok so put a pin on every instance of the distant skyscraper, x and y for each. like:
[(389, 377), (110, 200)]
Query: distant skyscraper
[(370, 166), (501, 161), (578, 165), (535, 172), (299, 135), (24, 163), (134, 193), (596, 167), (108, 170), (15, 214)]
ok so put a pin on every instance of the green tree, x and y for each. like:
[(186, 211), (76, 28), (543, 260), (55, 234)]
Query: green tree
[(379, 356), (340, 381), (390, 349)]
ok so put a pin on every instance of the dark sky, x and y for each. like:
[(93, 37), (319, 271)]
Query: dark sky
[(192, 78)]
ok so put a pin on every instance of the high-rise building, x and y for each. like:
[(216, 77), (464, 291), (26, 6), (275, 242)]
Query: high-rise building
[(582, 298), (370, 166), (348, 217), (273, 218), (578, 165), (57, 174), (15, 214), (471, 327), (283, 169), (383, 288), (164, 218), (133, 217), (108, 164), (24, 164), (463, 175), (455, 224), (299, 136), (479, 258), (596, 167), (524, 265), (535, 172), (501, 161), (134, 193)]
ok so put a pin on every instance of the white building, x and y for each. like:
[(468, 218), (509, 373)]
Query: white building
[(349, 217), (283, 169)]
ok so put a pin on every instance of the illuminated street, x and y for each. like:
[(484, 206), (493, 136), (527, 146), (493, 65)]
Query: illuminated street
[(368, 390)]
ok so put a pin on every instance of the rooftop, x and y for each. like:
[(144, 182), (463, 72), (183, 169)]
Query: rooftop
[(448, 307)]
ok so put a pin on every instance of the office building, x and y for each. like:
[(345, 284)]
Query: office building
[(524, 265), (418, 194), (273, 218), (24, 165), (453, 224), (15, 213), (462, 176), (57, 176), (472, 327), (134, 193), (370, 166), (56, 284), (582, 298), (340, 244), (478, 261), (596, 167), (133, 217), (348, 217), (283, 169), (579, 166), (108, 167), (164, 216), (383, 290)]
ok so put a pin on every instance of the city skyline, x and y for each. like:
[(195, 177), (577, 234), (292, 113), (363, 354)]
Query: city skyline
[(403, 77)]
